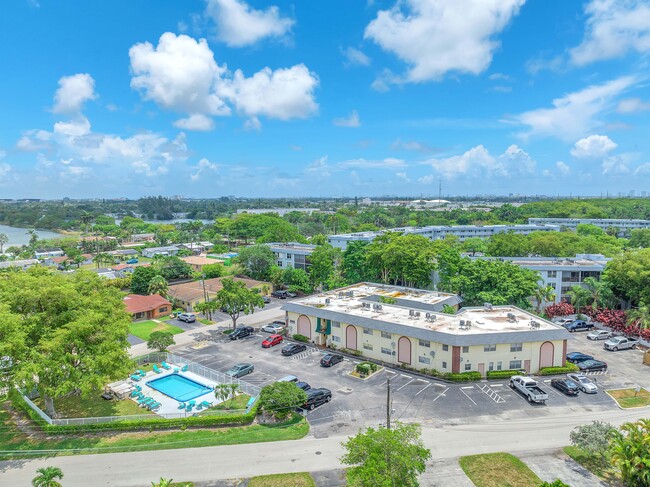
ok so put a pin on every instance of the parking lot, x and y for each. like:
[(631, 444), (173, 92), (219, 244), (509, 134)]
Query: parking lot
[(357, 403)]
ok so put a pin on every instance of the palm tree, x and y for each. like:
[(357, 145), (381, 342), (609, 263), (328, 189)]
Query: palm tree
[(542, 295), (48, 477), (4, 238), (601, 292), (579, 297), (639, 317), (629, 452), (232, 392), (158, 285)]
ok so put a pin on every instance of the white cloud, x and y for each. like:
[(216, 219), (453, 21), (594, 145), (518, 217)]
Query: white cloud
[(238, 24), (388, 163), (4, 171), (593, 147), (563, 168), (355, 57), (516, 161), (383, 81), (500, 89), (428, 179), (632, 105), (34, 140), (319, 164), (643, 169), (613, 28), (478, 162), (203, 166), (403, 176), (435, 37), (615, 165), (351, 121), (196, 122), (410, 145), (576, 113), (75, 128), (73, 92), (252, 123), (499, 77)]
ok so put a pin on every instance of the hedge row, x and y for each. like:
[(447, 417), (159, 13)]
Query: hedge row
[(459, 377), (139, 424), (300, 338), (559, 370), (501, 374)]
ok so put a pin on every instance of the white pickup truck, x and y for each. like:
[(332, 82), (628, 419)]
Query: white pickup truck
[(620, 343), (529, 388)]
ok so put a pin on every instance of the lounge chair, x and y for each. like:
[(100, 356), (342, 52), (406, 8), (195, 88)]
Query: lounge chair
[(136, 393), (184, 368), (165, 365), (153, 405), (139, 371), (189, 407), (199, 407), (156, 369), (176, 370), (143, 400), (206, 404), (182, 405), (191, 403), (136, 378)]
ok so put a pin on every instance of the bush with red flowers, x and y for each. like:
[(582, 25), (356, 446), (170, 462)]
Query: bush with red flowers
[(559, 309)]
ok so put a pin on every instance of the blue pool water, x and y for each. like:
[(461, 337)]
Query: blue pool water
[(179, 387)]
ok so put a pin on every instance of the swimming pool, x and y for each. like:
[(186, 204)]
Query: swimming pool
[(179, 387)]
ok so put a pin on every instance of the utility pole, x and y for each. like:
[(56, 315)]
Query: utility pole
[(388, 403)]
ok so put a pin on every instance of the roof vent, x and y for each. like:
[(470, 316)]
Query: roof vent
[(512, 318), (327, 300), (487, 306)]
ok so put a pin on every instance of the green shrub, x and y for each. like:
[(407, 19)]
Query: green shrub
[(463, 376), (300, 338), (559, 370), (228, 331), (387, 300), (501, 374), (356, 353)]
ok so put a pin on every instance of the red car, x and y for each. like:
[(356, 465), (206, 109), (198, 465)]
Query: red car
[(271, 341)]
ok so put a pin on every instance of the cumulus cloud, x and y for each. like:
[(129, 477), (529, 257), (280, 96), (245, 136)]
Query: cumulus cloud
[(355, 57), (196, 122), (351, 121), (576, 113), (73, 92), (613, 28), (203, 166), (563, 168), (403, 176), (615, 165), (75, 128), (478, 162), (435, 37), (388, 163), (410, 145), (643, 169), (238, 24), (4, 171), (632, 105), (593, 147)]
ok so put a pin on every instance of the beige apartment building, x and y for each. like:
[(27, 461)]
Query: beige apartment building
[(404, 326)]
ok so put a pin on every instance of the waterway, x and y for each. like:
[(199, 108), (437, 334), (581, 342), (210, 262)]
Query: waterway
[(18, 236)]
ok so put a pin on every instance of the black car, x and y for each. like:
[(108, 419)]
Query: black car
[(293, 349), (577, 357), (331, 359), (316, 397), (567, 386), (578, 325), (303, 385), (241, 332), (280, 294), (591, 365)]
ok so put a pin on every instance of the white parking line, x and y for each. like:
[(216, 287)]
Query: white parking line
[(399, 389), (468, 387), (424, 389), (407, 376), (461, 390), (441, 394), (496, 385)]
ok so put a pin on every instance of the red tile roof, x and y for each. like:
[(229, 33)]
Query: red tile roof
[(135, 303)]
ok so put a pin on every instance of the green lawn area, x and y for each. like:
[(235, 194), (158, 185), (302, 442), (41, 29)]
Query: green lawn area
[(238, 402), (498, 470), (142, 329), (629, 398), (594, 464), (206, 321), (301, 479), (93, 407), (21, 445)]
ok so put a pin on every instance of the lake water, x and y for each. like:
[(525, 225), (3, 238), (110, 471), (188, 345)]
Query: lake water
[(18, 236)]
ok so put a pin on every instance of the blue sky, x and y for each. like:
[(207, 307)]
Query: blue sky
[(205, 98)]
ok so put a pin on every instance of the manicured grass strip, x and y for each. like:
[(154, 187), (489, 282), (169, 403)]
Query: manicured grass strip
[(16, 444), (498, 470), (93, 407), (205, 321), (142, 329), (596, 465), (629, 398), (238, 402), (301, 479)]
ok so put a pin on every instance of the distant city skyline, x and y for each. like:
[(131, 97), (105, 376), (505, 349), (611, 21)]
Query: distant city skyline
[(271, 98)]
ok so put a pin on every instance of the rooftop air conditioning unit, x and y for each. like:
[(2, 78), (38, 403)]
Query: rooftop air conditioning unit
[(379, 307), (340, 294), (512, 317), (462, 323), (416, 314), (327, 300), (351, 294), (468, 324), (427, 316), (411, 312)]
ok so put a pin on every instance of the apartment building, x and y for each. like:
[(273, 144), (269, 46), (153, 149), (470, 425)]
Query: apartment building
[(624, 226), (292, 255)]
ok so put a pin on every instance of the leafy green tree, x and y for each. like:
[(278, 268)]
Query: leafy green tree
[(233, 389), (158, 285), (593, 439), (140, 279), (325, 259), (580, 297), (640, 238), (355, 263), (630, 452), (234, 299), (210, 271), (555, 483), (297, 280), (629, 276), (48, 477), (101, 259), (4, 239), (280, 399), (172, 267), (474, 245), (257, 261), (587, 229), (160, 340), (318, 239), (508, 245), (33, 238), (640, 316), (543, 295), (601, 295), (386, 457)]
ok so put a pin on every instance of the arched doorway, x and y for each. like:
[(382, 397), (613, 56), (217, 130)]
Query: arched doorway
[(546, 352), (404, 350), (351, 337), (304, 326)]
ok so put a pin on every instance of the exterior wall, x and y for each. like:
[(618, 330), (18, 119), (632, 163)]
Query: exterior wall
[(434, 355), (153, 314)]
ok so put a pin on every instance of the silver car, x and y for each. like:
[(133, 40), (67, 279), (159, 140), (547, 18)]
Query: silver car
[(599, 335), (273, 328), (585, 384)]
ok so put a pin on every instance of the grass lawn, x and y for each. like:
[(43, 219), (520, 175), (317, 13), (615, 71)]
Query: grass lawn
[(205, 321), (629, 398), (93, 407), (238, 402), (142, 329), (20, 445), (594, 464), (302, 479), (498, 470)]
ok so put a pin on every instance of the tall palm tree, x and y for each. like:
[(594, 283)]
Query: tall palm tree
[(640, 317), (629, 452), (48, 477), (544, 294), (158, 285), (601, 292), (4, 238), (579, 297)]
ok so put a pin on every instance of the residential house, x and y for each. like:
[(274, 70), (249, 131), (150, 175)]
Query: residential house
[(164, 251), (292, 255), (20, 264), (186, 295), (147, 307), (196, 262), (196, 247), (52, 252)]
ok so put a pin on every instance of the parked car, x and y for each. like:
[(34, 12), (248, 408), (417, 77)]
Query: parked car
[(567, 386), (275, 327), (620, 343), (585, 385), (576, 357), (599, 335), (241, 332), (186, 317), (303, 385), (592, 365), (281, 294), (331, 359), (529, 388), (291, 295), (132, 261), (316, 397), (288, 378), (272, 341), (240, 370), (293, 349), (578, 325), (266, 299), (562, 321)]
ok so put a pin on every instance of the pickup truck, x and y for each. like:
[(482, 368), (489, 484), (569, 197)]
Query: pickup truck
[(578, 325), (620, 343), (529, 388)]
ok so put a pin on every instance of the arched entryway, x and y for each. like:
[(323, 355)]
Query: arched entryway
[(351, 337), (304, 326), (404, 350), (546, 352)]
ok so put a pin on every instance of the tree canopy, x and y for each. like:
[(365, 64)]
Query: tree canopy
[(234, 299), (257, 261)]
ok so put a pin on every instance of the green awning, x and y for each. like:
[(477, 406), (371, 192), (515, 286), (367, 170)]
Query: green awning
[(323, 326)]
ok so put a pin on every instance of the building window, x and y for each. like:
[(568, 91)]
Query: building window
[(367, 346), (424, 360), (445, 348), (385, 334), (367, 331), (279, 263), (499, 365), (490, 348), (551, 274), (444, 365), (288, 256), (515, 364), (468, 366), (465, 349), (386, 351), (516, 347), (336, 339), (424, 343), (336, 324), (162, 310), (491, 366)]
